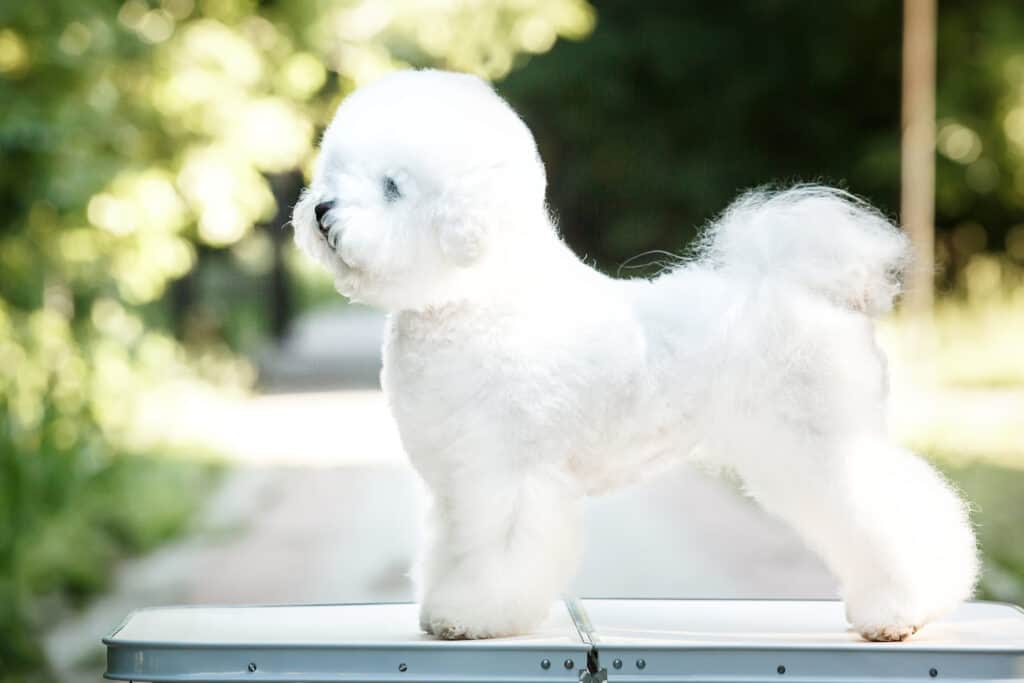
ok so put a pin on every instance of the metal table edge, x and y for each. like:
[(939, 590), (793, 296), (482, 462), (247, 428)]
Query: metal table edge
[(483, 646), (336, 677)]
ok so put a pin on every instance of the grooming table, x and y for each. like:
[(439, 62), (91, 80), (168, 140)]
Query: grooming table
[(582, 641)]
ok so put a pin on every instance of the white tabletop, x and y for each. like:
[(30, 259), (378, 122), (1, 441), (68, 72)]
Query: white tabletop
[(785, 623), (356, 625)]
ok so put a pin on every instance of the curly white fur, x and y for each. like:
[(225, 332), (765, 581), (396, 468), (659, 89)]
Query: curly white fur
[(522, 380)]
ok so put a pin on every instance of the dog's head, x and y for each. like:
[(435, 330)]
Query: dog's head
[(421, 177)]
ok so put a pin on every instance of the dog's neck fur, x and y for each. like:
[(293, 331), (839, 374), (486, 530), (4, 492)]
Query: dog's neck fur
[(532, 245)]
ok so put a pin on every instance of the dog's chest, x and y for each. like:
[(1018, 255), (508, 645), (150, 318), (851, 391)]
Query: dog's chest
[(514, 382), (438, 370)]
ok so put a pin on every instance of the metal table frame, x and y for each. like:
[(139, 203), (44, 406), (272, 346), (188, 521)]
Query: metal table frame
[(585, 641)]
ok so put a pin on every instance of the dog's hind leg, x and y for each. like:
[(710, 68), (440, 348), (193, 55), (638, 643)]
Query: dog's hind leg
[(501, 549), (885, 522)]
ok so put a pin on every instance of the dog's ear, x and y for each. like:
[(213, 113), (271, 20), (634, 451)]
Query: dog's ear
[(462, 237)]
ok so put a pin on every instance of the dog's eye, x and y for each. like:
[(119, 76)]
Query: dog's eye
[(391, 191)]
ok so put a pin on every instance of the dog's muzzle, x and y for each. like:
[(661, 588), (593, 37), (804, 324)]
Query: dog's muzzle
[(320, 210)]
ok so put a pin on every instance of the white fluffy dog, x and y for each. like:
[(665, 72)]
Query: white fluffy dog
[(522, 380)]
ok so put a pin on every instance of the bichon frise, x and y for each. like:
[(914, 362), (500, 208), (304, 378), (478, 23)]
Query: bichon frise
[(522, 380)]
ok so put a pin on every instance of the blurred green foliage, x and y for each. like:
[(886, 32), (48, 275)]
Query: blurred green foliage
[(652, 125), (71, 500), (66, 549)]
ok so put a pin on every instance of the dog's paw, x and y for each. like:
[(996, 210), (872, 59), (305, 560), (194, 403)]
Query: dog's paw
[(884, 617), (445, 629), (454, 629), (466, 619), (886, 633)]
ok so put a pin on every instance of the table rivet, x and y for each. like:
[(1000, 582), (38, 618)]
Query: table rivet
[(640, 663), (780, 669), (933, 672), (545, 663), (403, 667), (617, 663), (252, 667), (568, 664)]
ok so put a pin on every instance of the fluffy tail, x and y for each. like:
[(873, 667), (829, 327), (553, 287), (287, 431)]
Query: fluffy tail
[(817, 237)]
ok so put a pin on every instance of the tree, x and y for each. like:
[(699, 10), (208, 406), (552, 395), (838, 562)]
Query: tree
[(653, 124)]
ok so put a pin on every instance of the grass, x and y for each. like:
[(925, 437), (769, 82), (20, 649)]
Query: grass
[(996, 493)]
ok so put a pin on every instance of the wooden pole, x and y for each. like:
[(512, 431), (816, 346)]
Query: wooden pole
[(917, 191)]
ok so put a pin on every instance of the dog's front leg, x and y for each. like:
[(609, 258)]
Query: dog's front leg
[(502, 547)]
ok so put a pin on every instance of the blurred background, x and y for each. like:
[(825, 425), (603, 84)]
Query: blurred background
[(188, 413)]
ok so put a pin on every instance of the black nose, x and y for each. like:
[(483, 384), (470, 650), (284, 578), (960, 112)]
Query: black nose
[(321, 209)]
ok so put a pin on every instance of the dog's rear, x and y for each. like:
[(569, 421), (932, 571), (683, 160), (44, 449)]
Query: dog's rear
[(795, 394)]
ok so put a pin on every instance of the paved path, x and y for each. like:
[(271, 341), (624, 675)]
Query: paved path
[(337, 345)]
